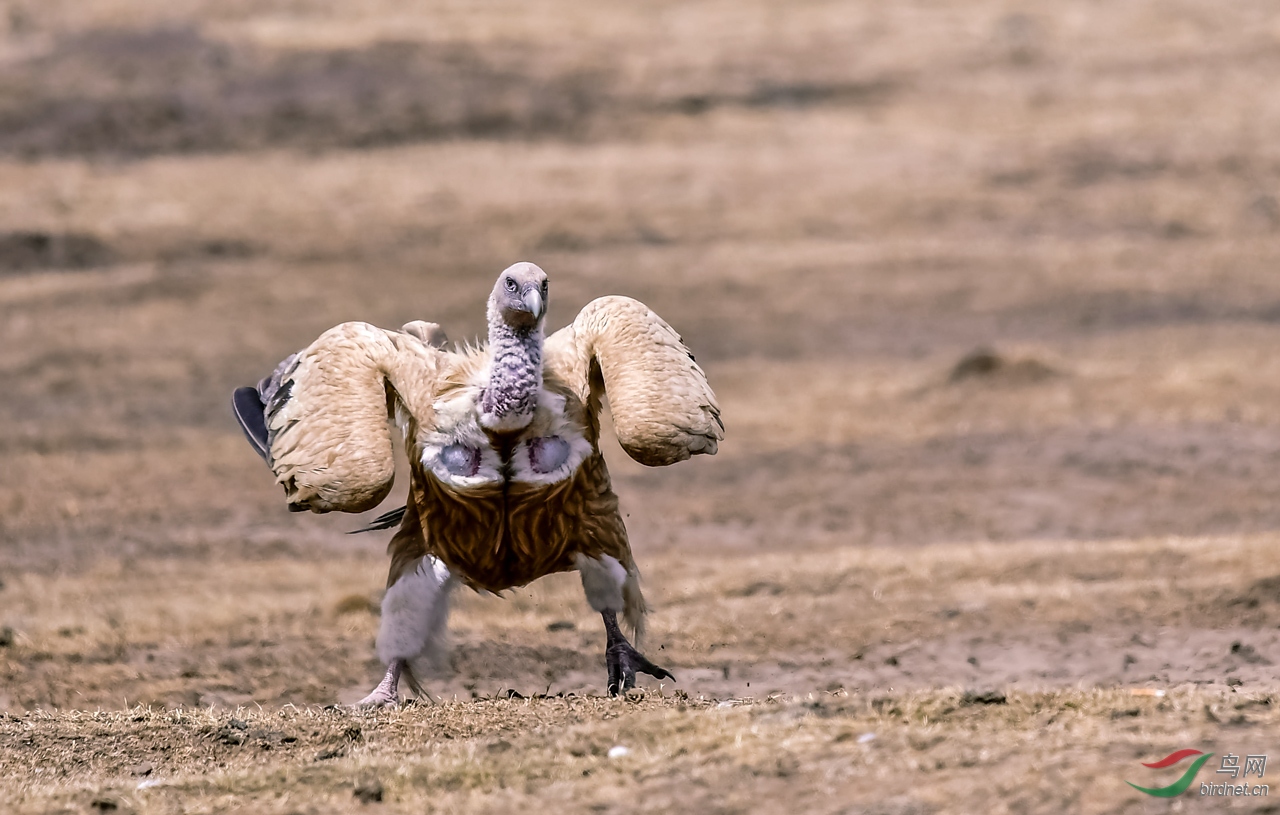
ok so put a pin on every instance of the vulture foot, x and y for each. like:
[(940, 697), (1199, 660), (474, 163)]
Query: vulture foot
[(387, 694), (624, 661)]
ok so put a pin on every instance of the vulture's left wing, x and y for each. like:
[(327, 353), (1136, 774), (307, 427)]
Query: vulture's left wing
[(663, 409), (320, 420)]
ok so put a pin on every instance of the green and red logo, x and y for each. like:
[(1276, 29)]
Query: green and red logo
[(1180, 786)]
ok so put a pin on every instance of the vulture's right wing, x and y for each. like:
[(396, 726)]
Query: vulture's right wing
[(320, 420), (663, 409)]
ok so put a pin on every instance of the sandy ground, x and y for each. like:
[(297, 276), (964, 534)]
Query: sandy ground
[(988, 291)]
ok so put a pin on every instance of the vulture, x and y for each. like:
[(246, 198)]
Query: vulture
[(508, 483)]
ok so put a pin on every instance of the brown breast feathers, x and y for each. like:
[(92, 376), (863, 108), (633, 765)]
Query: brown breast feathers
[(504, 510)]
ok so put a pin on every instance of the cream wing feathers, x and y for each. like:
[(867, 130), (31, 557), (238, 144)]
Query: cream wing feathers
[(327, 435), (663, 409)]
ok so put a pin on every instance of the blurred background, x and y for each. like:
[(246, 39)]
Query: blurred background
[(988, 289)]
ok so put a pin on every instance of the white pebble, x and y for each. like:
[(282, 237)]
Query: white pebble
[(866, 738), (618, 751)]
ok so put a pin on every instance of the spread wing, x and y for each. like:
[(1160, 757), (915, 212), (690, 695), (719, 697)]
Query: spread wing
[(663, 409), (320, 420)]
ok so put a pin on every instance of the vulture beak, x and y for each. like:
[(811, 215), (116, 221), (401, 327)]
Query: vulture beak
[(533, 302)]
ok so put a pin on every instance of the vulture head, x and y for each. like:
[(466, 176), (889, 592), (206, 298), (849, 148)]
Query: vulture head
[(519, 298), (517, 311)]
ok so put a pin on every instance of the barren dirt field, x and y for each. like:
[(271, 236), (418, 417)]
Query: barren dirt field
[(989, 291)]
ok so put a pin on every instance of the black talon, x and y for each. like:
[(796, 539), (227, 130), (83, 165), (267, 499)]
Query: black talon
[(624, 661), (620, 679)]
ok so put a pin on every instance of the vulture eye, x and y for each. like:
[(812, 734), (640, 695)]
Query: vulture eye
[(544, 287), (511, 284)]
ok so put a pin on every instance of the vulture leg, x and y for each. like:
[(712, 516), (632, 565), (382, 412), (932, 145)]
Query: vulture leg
[(411, 637), (611, 588), (415, 613), (622, 659)]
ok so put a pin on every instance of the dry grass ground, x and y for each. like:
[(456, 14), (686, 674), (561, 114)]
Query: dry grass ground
[(893, 753), (988, 290)]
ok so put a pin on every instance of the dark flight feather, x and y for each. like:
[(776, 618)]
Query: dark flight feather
[(251, 414), (384, 521)]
